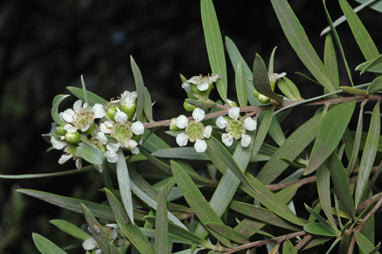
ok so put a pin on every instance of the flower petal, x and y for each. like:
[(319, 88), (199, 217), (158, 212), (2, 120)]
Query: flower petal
[(227, 139), (64, 158), (187, 87), (101, 137), (111, 156), (194, 80), (70, 128), (98, 111), (245, 140), (221, 122), (128, 98), (78, 163), (214, 78), (135, 150), (250, 124), (131, 143), (207, 131), (203, 86), (120, 117), (198, 114), (113, 147), (77, 106), (67, 115), (181, 139), (234, 112), (57, 144), (200, 146), (181, 121), (138, 128), (89, 244)]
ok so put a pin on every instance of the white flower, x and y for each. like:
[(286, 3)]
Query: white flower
[(198, 114), (107, 127), (221, 122), (57, 144), (138, 128), (250, 124), (200, 146), (202, 83), (181, 139), (89, 244), (181, 121), (227, 139), (245, 140), (275, 76), (234, 112), (207, 131), (128, 98), (120, 116)]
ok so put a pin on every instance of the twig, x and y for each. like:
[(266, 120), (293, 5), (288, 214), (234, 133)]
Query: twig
[(302, 243)]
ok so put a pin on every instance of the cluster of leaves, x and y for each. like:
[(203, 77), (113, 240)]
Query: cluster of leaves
[(251, 189)]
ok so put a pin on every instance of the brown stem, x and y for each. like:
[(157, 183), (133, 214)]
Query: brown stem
[(302, 243)]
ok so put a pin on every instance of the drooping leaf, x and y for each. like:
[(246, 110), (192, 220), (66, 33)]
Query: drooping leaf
[(369, 154), (70, 229), (241, 85), (139, 87), (54, 111), (332, 128), (363, 243), (299, 41), (323, 189), (214, 44), (90, 153), (92, 97), (148, 105), (228, 233), (360, 33), (261, 80), (317, 228), (124, 185), (45, 246)]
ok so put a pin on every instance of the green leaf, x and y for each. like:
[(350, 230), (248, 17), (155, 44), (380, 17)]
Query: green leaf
[(330, 132), (321, 220), (148, 105), (130, 231), (241, 85), (228, 233), (271, 61), (214, 44), (43, 175), (363, 243), (139, 87), (341, 184), (90, 153), (263, 130), (54, 111), (369, 154), (373, 65), (45, 246), (375, 86), (92, 97), (317, 228), (196, 199), (330, 60), (235, 57), (124, 185), (102, 239), (262, 214), (375, 6), (289, 89), (361, 35), (299, 41), (323, 189), (249, 228), (153, 142), (261, 80), (288, 248), (276, 132), (162, 243), (70, 229), (290, 149)]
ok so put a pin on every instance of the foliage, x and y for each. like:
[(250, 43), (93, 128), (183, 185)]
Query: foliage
[(238, 188)]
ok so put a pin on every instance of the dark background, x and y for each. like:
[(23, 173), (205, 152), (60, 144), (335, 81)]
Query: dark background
[(46, 46)]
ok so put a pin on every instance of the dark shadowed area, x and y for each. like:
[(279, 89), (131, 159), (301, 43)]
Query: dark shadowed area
[(46, 46)]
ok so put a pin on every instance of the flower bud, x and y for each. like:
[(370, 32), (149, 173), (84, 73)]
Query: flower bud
[(188, 106), (173, 125), (128, 109), (262, 98), (73, 137), (111, 112), (60, 130)]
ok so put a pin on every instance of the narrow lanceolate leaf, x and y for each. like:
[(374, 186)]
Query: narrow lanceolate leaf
[(196, 200), (290, 149), (341, 184), (70, 229), (299, 41), (330, 133), (97, 231), (323, 189), (148, 107), (214, 44), (330, 60), (43, 175), (317, 228), (289, 89), (92, 97), (375, 86), (130, 231), (369, 154), (360, 33), (271, 61), (276, 132), (321, 220), (263, 130), (235, 57), (288, 248), (162, 242), (363, 243), (261, 80), (228, 233), (90, 153), (124, 185), (241, 85), (54, 112), (45, 246), (139, 87)]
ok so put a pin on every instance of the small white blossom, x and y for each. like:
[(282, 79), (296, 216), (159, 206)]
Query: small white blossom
[(181, 121), (202, 82), (198, 114), (120, 116), (207, 131), (200, 146), (138, 128), (245, 140), (107, 127), (234, 112), (250, 124), (221, 122), (275, 76), (227, 139), (181, 139), (128, 98)]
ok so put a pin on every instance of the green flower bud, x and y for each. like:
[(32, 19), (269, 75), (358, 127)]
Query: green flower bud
[(262, 98), (173, 125), (188, 106), (73, 137), (129, 110), (60, 131), (111, 112)]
